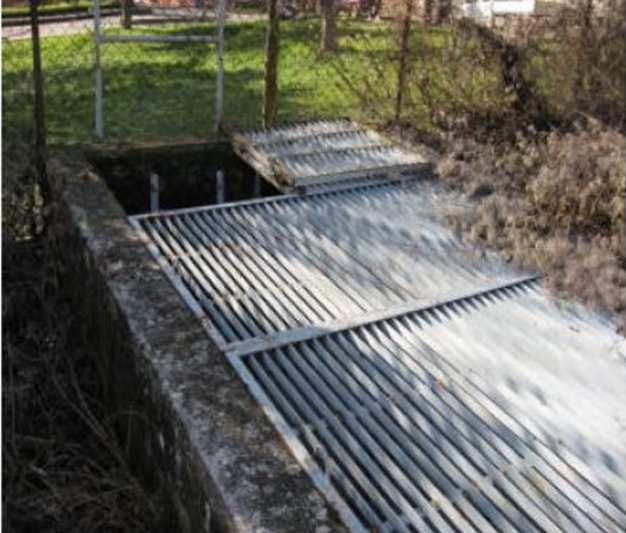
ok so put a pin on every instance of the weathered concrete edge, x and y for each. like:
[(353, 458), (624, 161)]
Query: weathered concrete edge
[(196, 437)]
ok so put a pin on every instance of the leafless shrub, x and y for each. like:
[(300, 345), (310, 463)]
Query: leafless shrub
[(583, 61), (465, 78), (63, 469)]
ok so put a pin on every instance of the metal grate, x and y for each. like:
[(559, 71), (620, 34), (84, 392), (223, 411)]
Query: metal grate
[(400, 439), (305, 155), (260, 267), (423, 385)]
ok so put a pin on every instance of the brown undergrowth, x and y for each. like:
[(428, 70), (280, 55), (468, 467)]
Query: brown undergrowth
[(63, 469), (552, 202)]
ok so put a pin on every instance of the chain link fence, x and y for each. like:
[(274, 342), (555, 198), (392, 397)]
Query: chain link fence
[(150, 90), (166, 90)]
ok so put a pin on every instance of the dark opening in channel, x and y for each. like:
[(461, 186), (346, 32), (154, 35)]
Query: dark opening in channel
[(187, 175)]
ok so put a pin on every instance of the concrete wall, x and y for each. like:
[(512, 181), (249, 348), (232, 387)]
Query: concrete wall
[(196, 438)]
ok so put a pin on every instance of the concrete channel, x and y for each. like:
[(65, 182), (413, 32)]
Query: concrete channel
[(335, 359)]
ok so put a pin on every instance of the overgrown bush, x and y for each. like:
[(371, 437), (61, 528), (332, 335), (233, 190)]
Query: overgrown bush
[(463, 77), (554, 203)]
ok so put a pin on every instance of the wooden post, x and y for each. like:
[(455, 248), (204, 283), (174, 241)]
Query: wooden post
[(272, 52), (329, 26), (39, 110), (404, 56)]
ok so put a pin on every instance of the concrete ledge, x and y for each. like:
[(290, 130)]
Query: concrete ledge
[(196, 438)]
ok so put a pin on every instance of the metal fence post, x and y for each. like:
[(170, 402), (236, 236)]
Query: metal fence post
[(257, 186), (219, 89), (219, 187), (39, 110), (99, 123), (155, 188)]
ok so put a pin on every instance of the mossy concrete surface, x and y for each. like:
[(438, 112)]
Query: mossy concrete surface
[(195, 436)]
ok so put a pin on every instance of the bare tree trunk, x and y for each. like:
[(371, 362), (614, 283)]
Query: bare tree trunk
[(126, 14), (329, 26), (445, 8), (427, 12), (435, 17), (271, 65), (583, 63), (39, 111), (404, 55)]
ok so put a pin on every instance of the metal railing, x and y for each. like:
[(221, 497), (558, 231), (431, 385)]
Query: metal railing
[(100, 38)]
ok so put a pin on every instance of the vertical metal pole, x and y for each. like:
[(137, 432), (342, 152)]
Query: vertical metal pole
[(97, 32), (219, 90), (219, 186), (39, 111), (154, 192), (257, 186)]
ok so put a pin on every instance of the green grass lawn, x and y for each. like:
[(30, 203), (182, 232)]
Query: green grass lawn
[(165, 91)]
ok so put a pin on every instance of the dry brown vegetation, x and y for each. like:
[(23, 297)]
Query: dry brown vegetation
[(531, 126), (552, 202), (63, 469)]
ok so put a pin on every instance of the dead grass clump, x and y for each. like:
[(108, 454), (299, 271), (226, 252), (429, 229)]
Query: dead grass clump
[(553, 202), (63, 469)]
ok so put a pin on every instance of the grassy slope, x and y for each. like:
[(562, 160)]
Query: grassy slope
[(167, 90)]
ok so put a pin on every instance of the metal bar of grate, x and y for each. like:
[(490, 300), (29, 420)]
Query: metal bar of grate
[(312, 167), (298, 335), (340, 140), (299, 130)]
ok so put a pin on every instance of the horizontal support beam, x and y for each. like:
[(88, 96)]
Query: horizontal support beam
[(281, 338), (158, 39), (384, 180)]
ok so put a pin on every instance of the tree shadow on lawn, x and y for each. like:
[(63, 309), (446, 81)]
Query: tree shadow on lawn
[(182, 104)]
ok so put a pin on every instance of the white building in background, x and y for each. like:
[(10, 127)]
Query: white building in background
[(487, 9)]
